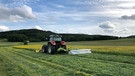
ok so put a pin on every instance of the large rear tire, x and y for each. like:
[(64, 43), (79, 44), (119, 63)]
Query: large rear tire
[(44, 49), (51, 49)]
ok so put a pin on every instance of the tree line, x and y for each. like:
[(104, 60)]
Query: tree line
[(34, 35)]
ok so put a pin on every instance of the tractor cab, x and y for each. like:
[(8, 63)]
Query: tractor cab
[(55, 38)]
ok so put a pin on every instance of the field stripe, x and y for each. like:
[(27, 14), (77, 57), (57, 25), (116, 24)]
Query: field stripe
[(48, 63), (30, 71), (10, 63), (51, 64), (101, 59), (88, 59), (16, 62), (90, 69), (2, 67)]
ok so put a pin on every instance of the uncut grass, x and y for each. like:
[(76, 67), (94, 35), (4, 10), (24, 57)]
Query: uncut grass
[(117, 42), (118, 50), (89, 65), (123, 50), (118, 47), (34, 47), (8, 44)]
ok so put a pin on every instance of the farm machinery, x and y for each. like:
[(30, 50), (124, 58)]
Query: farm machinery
[(54, 45)]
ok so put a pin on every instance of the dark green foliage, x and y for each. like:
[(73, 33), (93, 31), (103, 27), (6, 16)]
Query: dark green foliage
[(132, 36), (17, 38), (34, 35), (85, 37)]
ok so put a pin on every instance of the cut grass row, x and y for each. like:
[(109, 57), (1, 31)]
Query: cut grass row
[(93, 64), (2, 67), (31, 66), (10, 68)]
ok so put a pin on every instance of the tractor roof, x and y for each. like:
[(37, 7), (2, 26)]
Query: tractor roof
[(55, 36)]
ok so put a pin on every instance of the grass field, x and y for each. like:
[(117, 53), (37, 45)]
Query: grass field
[(109, 58)]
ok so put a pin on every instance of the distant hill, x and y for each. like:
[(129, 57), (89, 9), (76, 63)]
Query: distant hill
[(132, 36), (30, 34), (40, 35)]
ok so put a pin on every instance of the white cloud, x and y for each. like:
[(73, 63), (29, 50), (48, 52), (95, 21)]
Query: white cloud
[(23, 11), (125, 31), (109, 8), (74, 29), (107, 25), (12, 3), (125, 17), (16, 14), (102, 8), (38, 28), (3, 28), (128, 5), (74, 13), (58, 6), (122, 28), (15, 18), (83, 30)]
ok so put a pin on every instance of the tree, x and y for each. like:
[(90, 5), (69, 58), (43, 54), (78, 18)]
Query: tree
[(17, 37)]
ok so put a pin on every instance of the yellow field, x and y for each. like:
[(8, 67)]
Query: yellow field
[(34, 47), (101, 49), (130, 49)]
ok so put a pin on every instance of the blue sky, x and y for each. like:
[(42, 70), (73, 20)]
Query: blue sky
[(105, 17)]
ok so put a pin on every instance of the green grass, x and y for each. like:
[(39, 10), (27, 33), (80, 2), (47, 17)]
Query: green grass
[(2, 67), (22, 62)]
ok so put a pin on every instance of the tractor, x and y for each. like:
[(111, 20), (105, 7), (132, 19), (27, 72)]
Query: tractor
[(54, 45)]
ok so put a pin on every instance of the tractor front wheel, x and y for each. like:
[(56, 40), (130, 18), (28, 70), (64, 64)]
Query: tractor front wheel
[(51, 49)]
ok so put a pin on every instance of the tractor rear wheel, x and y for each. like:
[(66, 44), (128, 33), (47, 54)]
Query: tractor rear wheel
[(44, 49), (51, 49)]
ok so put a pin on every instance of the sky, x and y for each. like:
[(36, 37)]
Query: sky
[(93, 17)]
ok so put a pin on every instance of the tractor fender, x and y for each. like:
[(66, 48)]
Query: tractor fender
[(63, 43), (52, 42)]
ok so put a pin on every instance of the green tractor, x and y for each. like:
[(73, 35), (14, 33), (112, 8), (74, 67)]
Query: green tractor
[(54, 45)]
